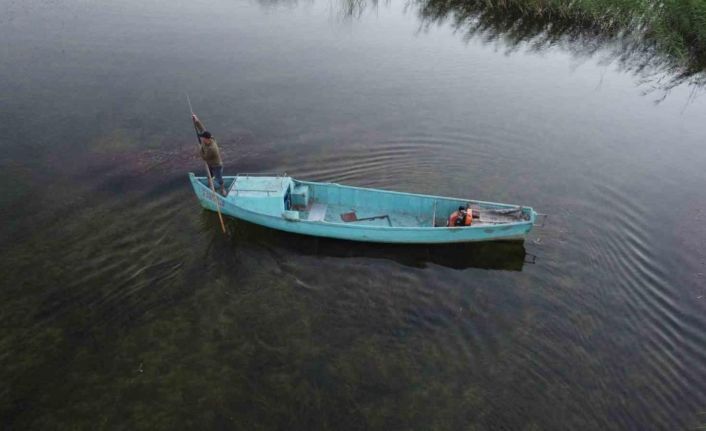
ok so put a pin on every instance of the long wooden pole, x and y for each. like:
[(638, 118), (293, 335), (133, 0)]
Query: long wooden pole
[(208, 171)]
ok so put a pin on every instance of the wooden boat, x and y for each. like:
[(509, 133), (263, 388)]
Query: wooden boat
[(360, 214)]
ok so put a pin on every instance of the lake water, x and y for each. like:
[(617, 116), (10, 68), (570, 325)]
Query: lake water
[(123, 306)]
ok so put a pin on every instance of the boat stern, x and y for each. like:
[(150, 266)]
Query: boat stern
[(207, 198)]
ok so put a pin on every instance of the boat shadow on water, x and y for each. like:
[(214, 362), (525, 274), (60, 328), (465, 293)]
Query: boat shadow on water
[(493, 255)]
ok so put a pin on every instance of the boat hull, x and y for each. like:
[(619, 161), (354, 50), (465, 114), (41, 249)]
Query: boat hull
[(355, 232)]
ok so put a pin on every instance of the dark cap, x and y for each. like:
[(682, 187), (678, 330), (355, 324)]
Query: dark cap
[(206, 134)]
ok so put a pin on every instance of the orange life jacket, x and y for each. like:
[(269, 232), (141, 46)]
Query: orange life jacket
[(466, 221)]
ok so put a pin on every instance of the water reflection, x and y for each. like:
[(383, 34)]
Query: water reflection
[(501, 255), (661, 58)]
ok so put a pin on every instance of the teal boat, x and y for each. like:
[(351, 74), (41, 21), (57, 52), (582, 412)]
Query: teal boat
[(361, 214)]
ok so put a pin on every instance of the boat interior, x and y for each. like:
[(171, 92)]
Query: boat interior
[(334, 203), (342, 204)]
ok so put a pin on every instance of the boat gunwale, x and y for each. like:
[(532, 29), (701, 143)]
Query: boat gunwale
[(448, 198)]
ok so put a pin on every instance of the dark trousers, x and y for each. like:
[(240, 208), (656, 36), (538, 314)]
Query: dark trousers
[(217, 175)]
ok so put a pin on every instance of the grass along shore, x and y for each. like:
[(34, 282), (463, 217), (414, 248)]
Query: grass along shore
[(643, 34)]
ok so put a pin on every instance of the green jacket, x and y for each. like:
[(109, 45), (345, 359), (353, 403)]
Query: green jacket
[(209, 152)]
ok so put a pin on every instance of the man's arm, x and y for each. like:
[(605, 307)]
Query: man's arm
[(199, 129), (197, 123)]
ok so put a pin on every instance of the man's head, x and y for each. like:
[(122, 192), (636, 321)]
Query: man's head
[(206, 135)]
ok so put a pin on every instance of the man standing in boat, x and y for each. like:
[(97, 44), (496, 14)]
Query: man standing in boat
[(211, 154)]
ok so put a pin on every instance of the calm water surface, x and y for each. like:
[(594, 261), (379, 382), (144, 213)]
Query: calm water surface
[(124, 307)]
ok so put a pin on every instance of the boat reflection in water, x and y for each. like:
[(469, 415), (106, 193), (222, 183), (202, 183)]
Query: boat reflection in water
[(494, 255)]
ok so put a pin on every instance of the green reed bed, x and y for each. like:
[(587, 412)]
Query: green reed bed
[(649, 34), (678, 27)]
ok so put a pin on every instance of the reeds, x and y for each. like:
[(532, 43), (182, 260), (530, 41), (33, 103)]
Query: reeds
[(642, 34)]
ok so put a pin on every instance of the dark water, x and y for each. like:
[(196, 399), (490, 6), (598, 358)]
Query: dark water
[(124, 307)]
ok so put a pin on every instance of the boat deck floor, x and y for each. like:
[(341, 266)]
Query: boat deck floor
[(334, 214), (342, 214), (317, 212)]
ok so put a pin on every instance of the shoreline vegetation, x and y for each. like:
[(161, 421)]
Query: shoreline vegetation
[(662, 42), (645, 36)]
